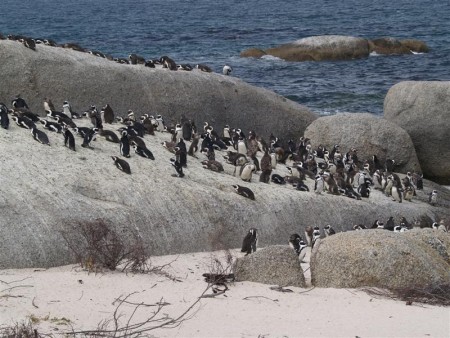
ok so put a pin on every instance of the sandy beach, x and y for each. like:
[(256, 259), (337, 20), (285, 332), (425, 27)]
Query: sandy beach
[(69, 298)]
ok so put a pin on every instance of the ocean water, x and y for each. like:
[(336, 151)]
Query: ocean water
[(215, 32)]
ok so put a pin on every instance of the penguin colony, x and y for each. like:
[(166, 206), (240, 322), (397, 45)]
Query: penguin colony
[(333, 173), (330, 170), (132, 59)]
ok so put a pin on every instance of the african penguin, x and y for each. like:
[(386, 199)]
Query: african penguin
[(250, 242), (4, 119), (315, 237), (318, 185), (125, 144), (226, 70), (144, 152), (110, 136), (40, 136), (278, 179), (433, 197), (108, 114), (178, 168), (88, 138), (121, 164), (390, 224), (296, 242), (69, 139), (244, 191), (329, 230)]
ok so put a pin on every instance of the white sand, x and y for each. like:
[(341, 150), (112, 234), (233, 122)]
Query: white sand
[(246, 310)]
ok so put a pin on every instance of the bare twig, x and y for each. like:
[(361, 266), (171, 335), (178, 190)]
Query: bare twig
[(17, 286), (32, 303), (249, 297)]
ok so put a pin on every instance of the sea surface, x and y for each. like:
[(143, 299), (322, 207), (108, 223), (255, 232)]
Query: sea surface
[(215, 32)]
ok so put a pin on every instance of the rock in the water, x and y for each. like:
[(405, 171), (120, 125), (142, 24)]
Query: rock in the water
[(388, 46), (423, 110), (84, 79), (376, 258), (253, 53), (319, 48), (369, 135), (275, 265)]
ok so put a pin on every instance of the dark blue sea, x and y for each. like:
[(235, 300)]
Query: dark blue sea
[(215, 32)]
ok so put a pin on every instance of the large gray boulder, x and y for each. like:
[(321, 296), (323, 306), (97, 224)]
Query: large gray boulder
[(276, 265), (83, 79), (423, 110), (377, 258), (44, 189), (369, 135)]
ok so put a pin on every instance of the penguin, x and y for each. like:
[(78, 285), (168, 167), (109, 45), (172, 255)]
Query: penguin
[(396, 193), (315, 237), (246, 172), (24, 122), (52, 126), (122, 164), (29, 43), (48, 105), (136, 59), (277, 179), (309, 234), (364, 190), (40, 136), (168, 63), (359, 227), (405, 224), (318, 185), (193, 148), (390, 224), (178, 168), (160, 123), (389, 165), (203, 68), (144, 152), (65, 121), (182, 153), (266, 167), (67, 109), (296, 242), (110, 136), (186, 128), (125, 144), (433, 197), (108, 114), (4, 119), (300, 185), (376, 178), (54, 114), (227, 70), (244, 191), (69, 139), (329, 230), (19, 103), (241, 146), (212, 165), (378, 225), (88, 138), (185, 66), (250, 242)]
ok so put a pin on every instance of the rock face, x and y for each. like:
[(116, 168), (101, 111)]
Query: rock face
[(369, 135), (337, 47), (319, 48), (43, 189), (275, 265), (84, 79), (376, 258), (422, 109)]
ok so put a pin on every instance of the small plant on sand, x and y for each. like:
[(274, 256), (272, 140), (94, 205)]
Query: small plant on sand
[(97, 245), (20, 330)]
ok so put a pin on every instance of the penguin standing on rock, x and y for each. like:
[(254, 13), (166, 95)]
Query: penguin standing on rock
[(329, 230), (227, 70), (4, 119), (250, 242), (178, 168), (432, 197), (296, 242), (69, 139), (316, 237), (125, 144)]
